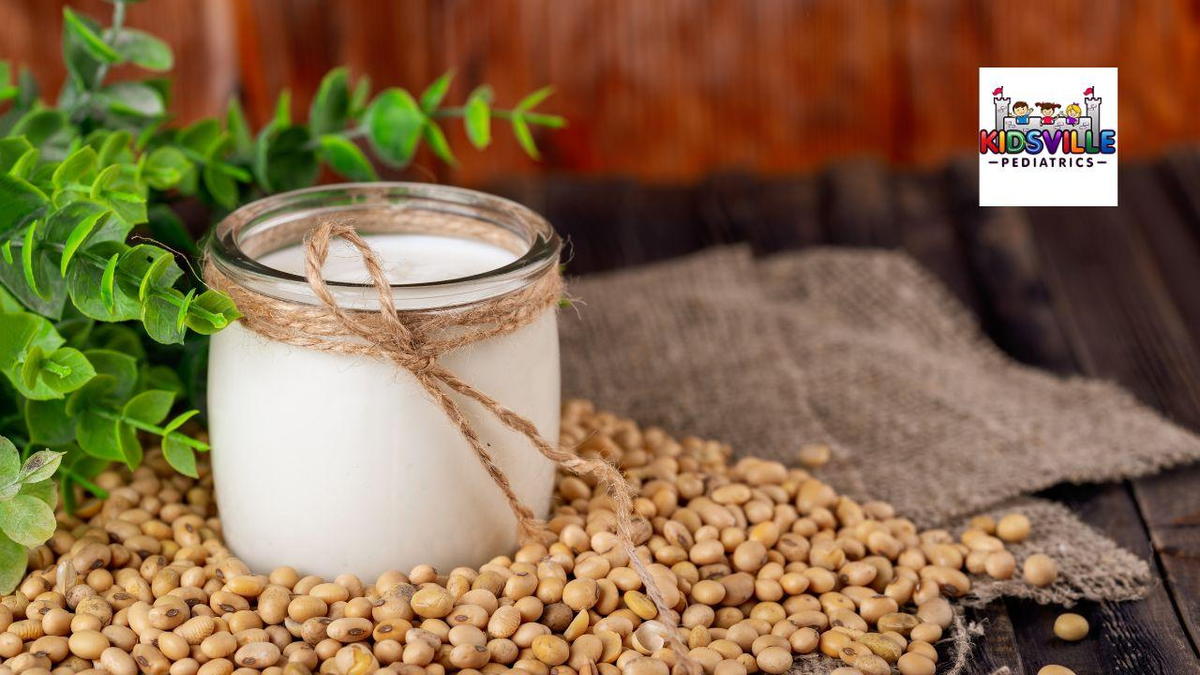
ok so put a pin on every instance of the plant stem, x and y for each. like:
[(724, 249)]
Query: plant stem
[(118, 22), (150, 428), (87, 484)]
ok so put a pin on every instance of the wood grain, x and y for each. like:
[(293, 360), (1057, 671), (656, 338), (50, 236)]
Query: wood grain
[(673, 90)]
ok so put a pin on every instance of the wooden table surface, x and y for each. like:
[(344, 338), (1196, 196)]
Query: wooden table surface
[(1107, 292)]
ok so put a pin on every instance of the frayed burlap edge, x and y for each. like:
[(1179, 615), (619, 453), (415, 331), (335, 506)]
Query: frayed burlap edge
[(1090, 565)]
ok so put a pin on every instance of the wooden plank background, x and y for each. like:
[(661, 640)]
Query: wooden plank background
[(672, 90)]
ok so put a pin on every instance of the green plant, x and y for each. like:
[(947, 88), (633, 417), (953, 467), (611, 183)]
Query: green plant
[(101, 330), (27, 501)]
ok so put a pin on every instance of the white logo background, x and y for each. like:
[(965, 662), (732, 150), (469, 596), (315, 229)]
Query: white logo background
[(1048, 186)]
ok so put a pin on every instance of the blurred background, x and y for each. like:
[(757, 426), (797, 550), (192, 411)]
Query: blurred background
[(671, 90)]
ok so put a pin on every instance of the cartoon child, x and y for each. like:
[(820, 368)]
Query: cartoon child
[(1074, 112), (1049, 111), (1020, 110)]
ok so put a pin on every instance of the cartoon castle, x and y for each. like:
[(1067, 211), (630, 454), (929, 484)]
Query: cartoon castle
[(1006, 122)]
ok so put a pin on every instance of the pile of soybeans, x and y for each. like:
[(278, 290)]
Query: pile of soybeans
[(762, 562)]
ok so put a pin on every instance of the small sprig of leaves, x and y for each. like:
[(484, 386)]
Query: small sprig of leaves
[(86, 309), (27, 501)]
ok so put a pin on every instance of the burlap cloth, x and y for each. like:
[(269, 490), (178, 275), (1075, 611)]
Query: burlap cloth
[(867, 352)]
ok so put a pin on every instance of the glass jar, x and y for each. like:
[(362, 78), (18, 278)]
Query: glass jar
[(335, 463)]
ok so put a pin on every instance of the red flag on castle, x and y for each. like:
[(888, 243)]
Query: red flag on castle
[(1089, 91), (1000, 90)]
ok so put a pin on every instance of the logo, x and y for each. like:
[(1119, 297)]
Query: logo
[(1048, 137)]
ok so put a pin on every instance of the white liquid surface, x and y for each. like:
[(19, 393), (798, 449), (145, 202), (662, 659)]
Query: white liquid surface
[(406, 259), (334, 463)]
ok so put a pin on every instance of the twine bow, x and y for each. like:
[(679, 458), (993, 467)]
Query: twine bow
[(414, 341)]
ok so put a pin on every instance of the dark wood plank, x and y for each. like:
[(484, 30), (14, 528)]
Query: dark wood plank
[(1121, 323), (1166, 213), (997, 647), (924, 217), (616, 223), (591, 217), (1017, 314), (858, 204), (1026, 319), (1180, 172), (772, 214), (1134, 637)]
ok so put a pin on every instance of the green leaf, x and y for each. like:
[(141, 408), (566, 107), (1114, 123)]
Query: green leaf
[(49, 423), (13, 560), (331, 105), (477, 118), (437, 142), (239, 130), (120, 368), (39, 126), (131, 447), (133, 98), (358, 99), (221, 186), (160, 314), (78, 167), (532, 100), (21, 332), (108, 284), (141, 48), (203, 137), (211, 311), (181, 457), (150, 406), (11, 150), (28, 248), (8, 303), (394, 123), (99, 437), (91, 284), (27, 520), (290, 161), (79, 234), (42, 490), (66, 370), (433, 95), (283, 109), (346, 158), (179, 420), (40, 466), (165, 167), (524, 137), (26, 164), (95, 45), (115, 148), (20, 202), (31, 368), (10, 462), (160, 377), (153, 267)]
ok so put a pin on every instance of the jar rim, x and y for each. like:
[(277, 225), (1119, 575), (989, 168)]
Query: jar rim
[(226, 251)]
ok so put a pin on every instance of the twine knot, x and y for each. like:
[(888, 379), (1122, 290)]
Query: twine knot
[(414, 340)]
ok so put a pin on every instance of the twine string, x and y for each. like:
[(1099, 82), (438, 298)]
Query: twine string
[(414, 340)]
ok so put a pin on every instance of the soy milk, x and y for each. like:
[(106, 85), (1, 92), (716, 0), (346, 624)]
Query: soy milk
[(336, 463)]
